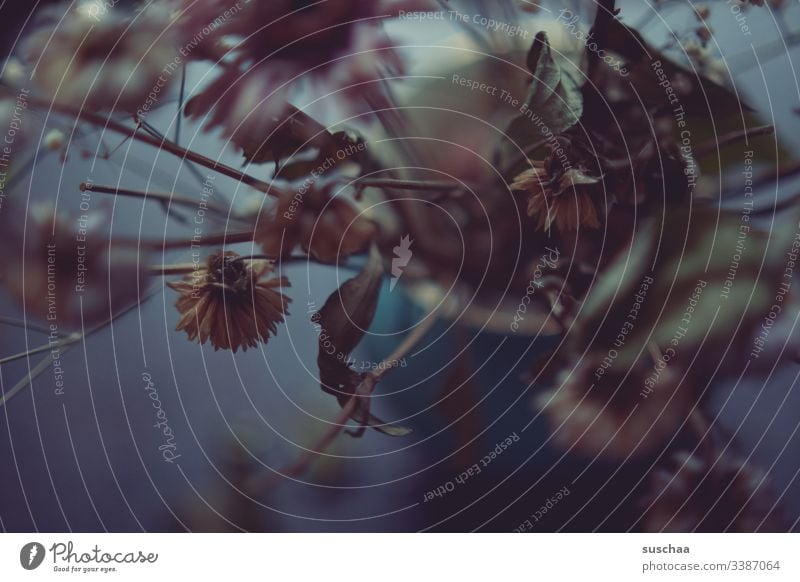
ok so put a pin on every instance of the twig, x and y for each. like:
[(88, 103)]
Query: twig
[(365, 390), (38, 350), (790, 202), (226, 238), (418, 185), (523, 156), (159, 196), (163, 144), (788, 171), (727, 139), (24, 325), (64, 345), (407, 345), (181, 97), (176, 269), (43, 364), (186, 268)]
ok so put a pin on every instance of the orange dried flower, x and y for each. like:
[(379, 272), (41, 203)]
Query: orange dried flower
[(230, 303), (564, 201)]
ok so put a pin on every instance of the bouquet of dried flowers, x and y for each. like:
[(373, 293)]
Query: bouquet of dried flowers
[(551, 172)]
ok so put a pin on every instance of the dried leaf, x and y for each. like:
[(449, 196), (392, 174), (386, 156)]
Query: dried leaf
[(348, 312), (554, 102), (343, 321)]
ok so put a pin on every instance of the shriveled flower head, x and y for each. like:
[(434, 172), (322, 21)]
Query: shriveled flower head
[(615, 416), (231, 302), (695, 494), (328, 229), (107, 56), (65, 268), (558, 197)]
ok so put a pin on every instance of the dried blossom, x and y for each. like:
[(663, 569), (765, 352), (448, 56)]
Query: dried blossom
[(102, 61), (612, 416), (326, 229), (231, 303), (326, 47), (563, 200), (694, 494)]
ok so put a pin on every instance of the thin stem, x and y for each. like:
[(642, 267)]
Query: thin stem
[(283, 260), (43, 364), (159, 196), (304, 461), (727, 139), (198, 175), (176, 269), (365, 390), (64, 345), (418, 185), (406, 346), (261, 258), (181, 97), (21, 324), (38, 350), (780, 206), (226, 238), (163, 144), (788, 171), (523, 156), (186, 268)]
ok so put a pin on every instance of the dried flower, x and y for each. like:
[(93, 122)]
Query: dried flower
[(326, 229), (230, 303), (563, 200), (611, 416), (326, 47), (693, 494), (102, 60)]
